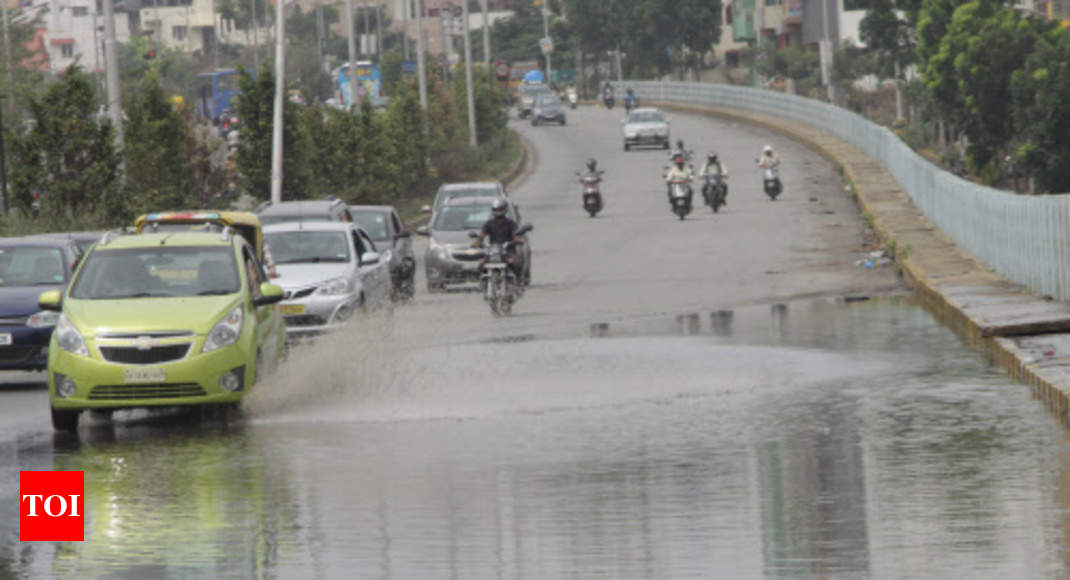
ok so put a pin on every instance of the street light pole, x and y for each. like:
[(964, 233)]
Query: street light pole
[(546, 34), (3, 162), (256, 36), (422, 81), (826, 57), (473, 139), (353, 100), (486, 33), (280, 89), (111, 61)]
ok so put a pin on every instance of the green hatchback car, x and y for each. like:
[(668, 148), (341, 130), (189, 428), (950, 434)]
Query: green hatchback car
[(168, 319)]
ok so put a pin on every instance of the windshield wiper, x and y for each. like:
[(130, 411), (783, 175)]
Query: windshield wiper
[(216, 292), (134, 295)]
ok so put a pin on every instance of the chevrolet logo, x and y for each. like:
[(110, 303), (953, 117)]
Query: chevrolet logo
[(144, 343)]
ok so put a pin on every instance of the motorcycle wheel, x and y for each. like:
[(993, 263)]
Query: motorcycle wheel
[(592, 211)]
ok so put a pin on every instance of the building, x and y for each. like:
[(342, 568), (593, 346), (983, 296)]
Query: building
[(75, 33), (195, 26)]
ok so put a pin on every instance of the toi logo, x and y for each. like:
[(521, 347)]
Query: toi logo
[(51, 506)]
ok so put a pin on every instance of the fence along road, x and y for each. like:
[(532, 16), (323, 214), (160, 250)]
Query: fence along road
[(1024, 238)]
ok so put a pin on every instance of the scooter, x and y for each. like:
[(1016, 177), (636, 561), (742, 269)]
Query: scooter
[(771, 183), (573, 98), (592, 194), (680, 197), (608, 100), (714, 191)]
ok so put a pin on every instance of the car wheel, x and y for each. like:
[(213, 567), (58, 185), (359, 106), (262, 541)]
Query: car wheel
[(627, 147), (564, 121), (665, 145), (434, 288), (65, 420)]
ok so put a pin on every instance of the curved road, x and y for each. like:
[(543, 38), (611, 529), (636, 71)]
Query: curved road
[(636, 258)]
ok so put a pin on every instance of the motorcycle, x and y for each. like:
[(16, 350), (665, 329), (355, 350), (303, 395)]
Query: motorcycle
[(497, 280), (573, 98), (771, 183), (714, 191), (680, 197), (608, 100), (592, 194), (631, 102)]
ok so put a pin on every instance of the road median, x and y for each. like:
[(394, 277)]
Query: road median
[(1021, 331)]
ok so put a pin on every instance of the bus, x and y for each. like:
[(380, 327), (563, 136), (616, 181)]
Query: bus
[(217, 90), (369, 82)]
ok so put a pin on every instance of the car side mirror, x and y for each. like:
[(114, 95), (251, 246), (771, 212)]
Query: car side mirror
[(51, 300), (369, 258), (425, 209), (269, 294), (403, 235), (422, 231), (473, 235), (524, 229)]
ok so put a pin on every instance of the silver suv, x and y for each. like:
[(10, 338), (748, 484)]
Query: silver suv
[(320, 210), (328, 270)]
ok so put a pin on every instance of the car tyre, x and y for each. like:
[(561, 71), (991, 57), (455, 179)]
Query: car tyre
[(65, 420), (627, 147), (435, 288)]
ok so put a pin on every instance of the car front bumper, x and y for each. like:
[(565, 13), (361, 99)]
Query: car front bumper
[(442, 268), (646, 139), (317, 314), (28, 350), (193, 380)]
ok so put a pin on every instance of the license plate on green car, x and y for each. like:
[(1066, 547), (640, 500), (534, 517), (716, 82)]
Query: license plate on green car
[(144, 376)]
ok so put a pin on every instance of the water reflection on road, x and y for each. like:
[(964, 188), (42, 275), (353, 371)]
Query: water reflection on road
[(795, 440)]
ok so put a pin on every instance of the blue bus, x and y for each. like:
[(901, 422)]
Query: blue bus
[(217, 92), (369, 82)]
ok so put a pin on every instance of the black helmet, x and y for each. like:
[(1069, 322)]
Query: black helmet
[(498, 207), (712, 157), (592, 164), (680, 144)]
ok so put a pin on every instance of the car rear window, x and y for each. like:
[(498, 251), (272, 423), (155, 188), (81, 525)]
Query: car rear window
[(373, 222), (646, 117), (31, 266)]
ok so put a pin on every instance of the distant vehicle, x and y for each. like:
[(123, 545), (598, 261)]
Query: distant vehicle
[(394, 243), (320, 210), (526, 105), (517, 72), (217, 91), (548, 108), (450, 191), (328, 271), (645, 126), (450, 257), (162, 320), (369, 80), (29, 266)]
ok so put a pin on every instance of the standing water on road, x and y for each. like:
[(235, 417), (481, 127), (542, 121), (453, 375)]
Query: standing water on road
[(801, 440)]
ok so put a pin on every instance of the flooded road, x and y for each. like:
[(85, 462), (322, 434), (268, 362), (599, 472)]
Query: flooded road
[(802, 440)]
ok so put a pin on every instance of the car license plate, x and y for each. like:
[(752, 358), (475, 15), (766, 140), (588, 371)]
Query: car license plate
[(144, 375), (5, 339), (292, 309)]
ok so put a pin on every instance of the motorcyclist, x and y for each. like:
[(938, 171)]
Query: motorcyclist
[(714, 167), (592, 170), (607, 93), (768, 158), (680, 171), (680, 150), (630, 100), (501, 229)]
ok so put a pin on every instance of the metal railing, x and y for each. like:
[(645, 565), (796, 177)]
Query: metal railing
[(1022, 237)]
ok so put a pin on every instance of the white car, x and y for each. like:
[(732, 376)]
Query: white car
[(647, 126), (328, 271)]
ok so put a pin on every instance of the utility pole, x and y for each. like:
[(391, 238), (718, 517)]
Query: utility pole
[(405, 30), (256, 37), (546, 34), (420, 56), (486, 34), (354, 101), (364, 16), (111, 61), (473, 139), (280, 89), (320, 36), (378, 32), (3, 162), (447, 42), (7, 58), (826, 53)]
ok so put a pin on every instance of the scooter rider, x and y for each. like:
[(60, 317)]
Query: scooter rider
[(501, 229), (714, 167), (768, 158), (592, 170), (630, 100), (679, 172)]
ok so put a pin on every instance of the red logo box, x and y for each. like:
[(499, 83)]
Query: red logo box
[(51, 506)]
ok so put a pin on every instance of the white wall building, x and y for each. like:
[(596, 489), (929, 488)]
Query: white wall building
[(72, 35), (195, 26)]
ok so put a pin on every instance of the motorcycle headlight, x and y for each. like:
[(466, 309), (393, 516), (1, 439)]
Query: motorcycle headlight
[(68, 338), (333, 287), (43, 319), (226, 331)]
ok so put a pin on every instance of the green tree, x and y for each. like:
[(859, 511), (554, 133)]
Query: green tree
[(376, 158), (491, 112), (1042, 112), (406, 125), (67, 160), (886, 35), (157, 177), (255, 109)]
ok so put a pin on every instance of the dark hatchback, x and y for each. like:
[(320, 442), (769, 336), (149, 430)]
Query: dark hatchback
[(28, 267), (384, 227)]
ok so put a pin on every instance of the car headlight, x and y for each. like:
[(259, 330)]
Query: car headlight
[(43, 319), (68, 338), (630, 133), (333, 287), (437, 250), (226, 331)]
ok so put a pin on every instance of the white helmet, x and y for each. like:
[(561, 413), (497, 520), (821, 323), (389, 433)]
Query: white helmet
[(767, 149)]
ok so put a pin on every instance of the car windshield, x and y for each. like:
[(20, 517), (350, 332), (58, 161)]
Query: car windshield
[(157, 272), (373, 222), (30, 266), (646, 117), (291, 218), (455, 218), (310, 247)]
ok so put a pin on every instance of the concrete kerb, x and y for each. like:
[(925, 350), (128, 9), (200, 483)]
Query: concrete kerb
[(516, 174), (924, 255)]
